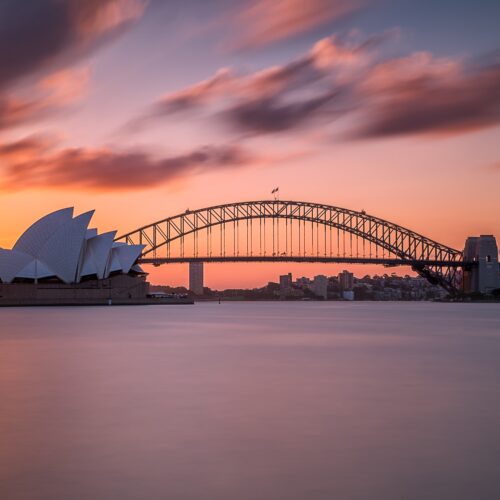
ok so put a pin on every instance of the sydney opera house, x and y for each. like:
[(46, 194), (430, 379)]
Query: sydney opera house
[(60, 260)]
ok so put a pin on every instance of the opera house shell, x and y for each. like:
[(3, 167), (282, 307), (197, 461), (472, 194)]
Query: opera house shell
[(60, 247)]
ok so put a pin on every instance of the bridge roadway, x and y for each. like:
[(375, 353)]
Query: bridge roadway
[(157, 261)]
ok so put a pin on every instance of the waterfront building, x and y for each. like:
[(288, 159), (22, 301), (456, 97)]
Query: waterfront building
[(285, 289), (319, 286), (346, 280), (285, 282), (196, 277), (303, 282)]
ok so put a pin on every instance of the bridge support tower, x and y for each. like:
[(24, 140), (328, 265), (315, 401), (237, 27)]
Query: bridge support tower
[(484, 276), (196, 277)]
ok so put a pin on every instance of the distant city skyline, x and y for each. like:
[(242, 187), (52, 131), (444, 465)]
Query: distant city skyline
[(159, 106), (344, 286)]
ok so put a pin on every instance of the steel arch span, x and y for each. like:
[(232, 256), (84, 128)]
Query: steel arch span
[(299, 231)]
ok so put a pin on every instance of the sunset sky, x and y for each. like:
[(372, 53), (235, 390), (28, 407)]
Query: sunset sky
[(141, 109)]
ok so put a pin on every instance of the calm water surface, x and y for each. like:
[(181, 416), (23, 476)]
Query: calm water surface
[(368, 401)]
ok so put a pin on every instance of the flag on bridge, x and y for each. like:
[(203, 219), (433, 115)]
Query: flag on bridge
[(275, 190)]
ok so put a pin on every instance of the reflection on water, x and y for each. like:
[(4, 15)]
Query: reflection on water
[(251, 401)]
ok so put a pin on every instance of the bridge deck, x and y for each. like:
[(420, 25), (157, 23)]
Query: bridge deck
[(319, 259)]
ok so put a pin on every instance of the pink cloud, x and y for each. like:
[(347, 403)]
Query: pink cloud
[(263, 22), (94, 18), (200, 93), (51, 94), (67, 85)]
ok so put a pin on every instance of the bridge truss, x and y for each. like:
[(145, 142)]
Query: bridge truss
[(273, 230)]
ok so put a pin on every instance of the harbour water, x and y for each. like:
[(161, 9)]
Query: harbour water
[(237, 401)]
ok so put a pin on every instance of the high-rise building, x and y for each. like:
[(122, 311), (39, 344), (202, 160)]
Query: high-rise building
[(303, 282), (196, 277), (285, 282), (319, 286), (285, 285), (346, 281)]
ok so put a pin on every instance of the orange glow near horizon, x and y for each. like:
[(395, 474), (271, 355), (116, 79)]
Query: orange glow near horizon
[(220, 276)]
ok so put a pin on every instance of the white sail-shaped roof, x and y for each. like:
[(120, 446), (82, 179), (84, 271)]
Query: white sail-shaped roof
[(97, 254), (11, 262), (35, 270), (123, 257), (63, 249), (88, 267), (127, 255), (35, 237), (137, 268), (114, 263), (91, 233)]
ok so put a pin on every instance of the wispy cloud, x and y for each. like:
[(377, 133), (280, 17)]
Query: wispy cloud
[(36, 162), (24, 149), (262, 22), (268, 115), (193, 97), (420, 94), (51, 94), (67, 85)]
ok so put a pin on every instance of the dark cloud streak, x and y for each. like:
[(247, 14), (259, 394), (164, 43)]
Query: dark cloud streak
[(33, 163), (31, 33), (433, 106), (37, 33), (42, 37), (268, 115), (275, 99)]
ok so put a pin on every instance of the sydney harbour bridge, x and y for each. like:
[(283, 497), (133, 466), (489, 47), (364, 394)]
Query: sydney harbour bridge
[(294, 231)]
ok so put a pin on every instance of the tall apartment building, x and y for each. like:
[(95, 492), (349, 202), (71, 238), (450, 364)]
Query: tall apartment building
[(319, 286), (346, 281)]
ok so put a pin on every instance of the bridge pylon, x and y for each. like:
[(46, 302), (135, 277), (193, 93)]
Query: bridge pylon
[(196, 277), (483, 276)]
